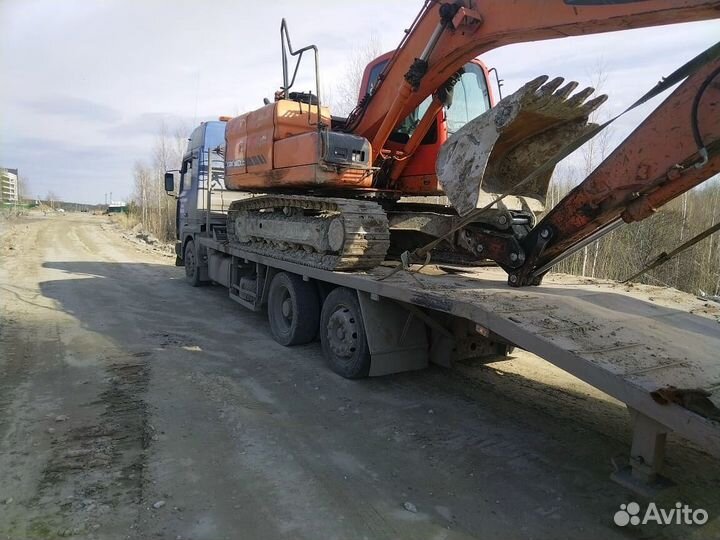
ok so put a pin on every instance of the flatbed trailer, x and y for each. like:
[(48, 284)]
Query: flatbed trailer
[(613, 338)]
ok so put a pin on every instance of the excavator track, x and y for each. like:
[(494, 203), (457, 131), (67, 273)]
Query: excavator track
[(321, 232)]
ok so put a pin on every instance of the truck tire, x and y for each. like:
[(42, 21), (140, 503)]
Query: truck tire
[(293, 309), (342, 334), (192, 272)]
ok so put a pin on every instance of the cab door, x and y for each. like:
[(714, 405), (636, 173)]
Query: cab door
[(472, 97), (187, 197)]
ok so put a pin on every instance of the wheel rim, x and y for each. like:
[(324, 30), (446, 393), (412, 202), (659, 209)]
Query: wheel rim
[(189, 263), (342, 332), (285, 310)]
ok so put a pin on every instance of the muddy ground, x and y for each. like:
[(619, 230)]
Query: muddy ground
[(133, 406)]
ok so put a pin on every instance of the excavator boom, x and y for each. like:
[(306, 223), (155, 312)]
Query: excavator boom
[(672, 151), (448, 34)]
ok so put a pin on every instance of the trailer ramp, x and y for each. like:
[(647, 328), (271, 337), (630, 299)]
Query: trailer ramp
[(655, 350)]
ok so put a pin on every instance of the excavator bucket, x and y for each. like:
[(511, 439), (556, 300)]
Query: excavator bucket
[(493, 153)]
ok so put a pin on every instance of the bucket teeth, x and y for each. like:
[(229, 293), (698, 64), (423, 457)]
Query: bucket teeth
[(580, 97), (536, 83), (550, 87), (592, 105), (566, 90), (493, 153)]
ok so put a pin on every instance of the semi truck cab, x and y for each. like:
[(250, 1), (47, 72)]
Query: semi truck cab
[(204, 153)]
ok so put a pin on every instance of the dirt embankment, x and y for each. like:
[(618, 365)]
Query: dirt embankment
[(142, 239)]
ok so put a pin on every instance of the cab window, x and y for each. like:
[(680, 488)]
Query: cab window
[(375, 72), (408, 126), (470, 98), (186, 175)]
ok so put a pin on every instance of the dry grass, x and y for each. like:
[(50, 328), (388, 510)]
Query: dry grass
[(126, 220)]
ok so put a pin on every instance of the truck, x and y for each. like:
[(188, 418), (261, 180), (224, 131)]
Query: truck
[(371, 325), (313, 220)]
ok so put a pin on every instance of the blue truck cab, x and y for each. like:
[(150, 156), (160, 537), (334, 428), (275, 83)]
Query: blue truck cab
[(197, 213)]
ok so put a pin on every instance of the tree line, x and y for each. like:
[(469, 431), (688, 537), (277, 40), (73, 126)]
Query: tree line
[(628, 249), (150, 205)]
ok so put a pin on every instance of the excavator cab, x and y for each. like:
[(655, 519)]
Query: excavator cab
[(472, 97)]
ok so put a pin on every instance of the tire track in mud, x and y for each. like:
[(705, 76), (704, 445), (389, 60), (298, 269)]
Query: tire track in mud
[(14, 365), (89, 464), (96, 472)]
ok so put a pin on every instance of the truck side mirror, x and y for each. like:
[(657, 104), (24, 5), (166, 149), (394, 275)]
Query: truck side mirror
[(169, 182)]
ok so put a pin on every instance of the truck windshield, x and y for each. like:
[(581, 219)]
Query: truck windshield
[(214, 135)]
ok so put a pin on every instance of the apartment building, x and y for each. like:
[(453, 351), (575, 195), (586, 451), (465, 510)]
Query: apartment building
[(8, 185)]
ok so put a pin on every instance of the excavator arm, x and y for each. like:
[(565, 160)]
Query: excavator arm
[(449, 33), (676, 148)]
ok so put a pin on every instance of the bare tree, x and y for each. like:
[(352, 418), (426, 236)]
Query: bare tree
[(152, 207), (23, 187), (594, 153), (52, 199), (143, 180), (344, 95)]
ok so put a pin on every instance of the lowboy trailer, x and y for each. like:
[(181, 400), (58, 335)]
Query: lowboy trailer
[(660, 361)]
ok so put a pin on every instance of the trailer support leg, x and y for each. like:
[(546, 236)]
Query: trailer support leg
[(647, 454)]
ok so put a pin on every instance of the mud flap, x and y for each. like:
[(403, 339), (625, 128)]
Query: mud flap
[(178, 254), (397, 340), (493, 153)]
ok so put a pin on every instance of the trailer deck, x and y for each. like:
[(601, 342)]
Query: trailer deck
[(626, 341)]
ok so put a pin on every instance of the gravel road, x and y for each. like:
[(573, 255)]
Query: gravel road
[(134, 406)]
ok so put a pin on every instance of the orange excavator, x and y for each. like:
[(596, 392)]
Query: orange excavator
[(428, 164)]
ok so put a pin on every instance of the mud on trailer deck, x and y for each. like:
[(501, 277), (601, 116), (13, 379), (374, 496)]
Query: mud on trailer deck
[(661, 361)]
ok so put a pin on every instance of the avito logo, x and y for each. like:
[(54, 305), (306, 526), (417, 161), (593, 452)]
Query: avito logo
[(681, 514)]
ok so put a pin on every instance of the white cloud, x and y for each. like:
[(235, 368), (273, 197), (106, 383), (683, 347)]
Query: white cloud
[(72, 108)]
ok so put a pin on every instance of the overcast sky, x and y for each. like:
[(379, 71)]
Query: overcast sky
[(87, 83)]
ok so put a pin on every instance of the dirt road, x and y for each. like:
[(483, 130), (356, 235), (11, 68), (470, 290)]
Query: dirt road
[(134, 406)]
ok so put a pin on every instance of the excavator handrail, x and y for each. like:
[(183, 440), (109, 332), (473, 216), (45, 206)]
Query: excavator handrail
[(285, 40)]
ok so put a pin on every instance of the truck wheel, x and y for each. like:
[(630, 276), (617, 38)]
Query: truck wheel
[(192, 272), (293, 309), (342, 334)]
